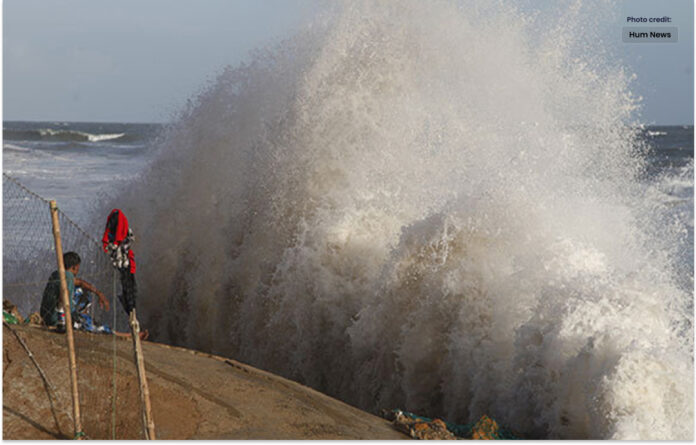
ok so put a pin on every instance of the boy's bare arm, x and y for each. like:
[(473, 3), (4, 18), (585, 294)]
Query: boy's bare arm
[(103, 302)]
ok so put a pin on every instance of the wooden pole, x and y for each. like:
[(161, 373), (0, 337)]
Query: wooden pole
[(31, 356), (148, 422), (68, 321)]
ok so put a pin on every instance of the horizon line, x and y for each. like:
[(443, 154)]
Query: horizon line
[(170, 121), (83, 122)]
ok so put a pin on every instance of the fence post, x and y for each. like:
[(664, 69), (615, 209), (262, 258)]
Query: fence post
[(148, 422), (68, 320)]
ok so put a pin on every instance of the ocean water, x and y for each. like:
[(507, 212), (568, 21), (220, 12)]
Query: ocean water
[(438, 207), (77, 164)]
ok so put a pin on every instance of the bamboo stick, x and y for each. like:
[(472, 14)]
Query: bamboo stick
[(148, 422), (50, 389), (31, 356), (68, 321)]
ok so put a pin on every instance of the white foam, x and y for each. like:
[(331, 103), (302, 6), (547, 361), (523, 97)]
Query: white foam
[(104, 137), (368, 210), (14, 147), (79, 135)]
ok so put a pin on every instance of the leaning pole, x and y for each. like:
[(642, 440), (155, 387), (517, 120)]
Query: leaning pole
[(65, 298), (148, 422)]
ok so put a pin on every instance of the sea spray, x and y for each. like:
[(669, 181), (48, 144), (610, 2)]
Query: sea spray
[(433, 206)]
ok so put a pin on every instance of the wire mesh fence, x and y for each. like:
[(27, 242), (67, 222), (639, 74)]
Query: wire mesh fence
[(108, 392), (29, 251)]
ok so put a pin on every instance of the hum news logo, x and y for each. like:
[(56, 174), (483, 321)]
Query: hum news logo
[(650, 34)]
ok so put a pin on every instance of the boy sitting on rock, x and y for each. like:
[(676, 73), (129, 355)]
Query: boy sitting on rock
[(51, 300)]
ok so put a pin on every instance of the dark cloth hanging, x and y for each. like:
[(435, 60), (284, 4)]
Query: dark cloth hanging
[(129, 290)]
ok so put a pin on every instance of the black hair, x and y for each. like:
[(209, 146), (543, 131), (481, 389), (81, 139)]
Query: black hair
[(71, 259)]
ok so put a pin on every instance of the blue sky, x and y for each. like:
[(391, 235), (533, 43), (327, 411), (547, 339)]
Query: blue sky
[(138, 61)]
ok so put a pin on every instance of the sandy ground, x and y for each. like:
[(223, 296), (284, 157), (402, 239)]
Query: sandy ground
[(194, 395)]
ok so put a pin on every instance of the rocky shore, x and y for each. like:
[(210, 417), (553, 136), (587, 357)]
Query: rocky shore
[(194, 395)]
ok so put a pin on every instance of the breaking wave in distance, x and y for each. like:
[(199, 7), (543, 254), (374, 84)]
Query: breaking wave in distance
[(435, 206), (48, 134)]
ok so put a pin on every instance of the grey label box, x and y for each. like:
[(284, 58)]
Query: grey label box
[(650, 34)]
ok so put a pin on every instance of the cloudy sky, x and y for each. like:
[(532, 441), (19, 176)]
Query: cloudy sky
[(138, 61)]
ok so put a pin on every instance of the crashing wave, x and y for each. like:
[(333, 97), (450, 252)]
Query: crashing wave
[(433, 206)]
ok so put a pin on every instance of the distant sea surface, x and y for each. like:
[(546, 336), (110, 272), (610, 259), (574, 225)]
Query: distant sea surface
[(75, 163)]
